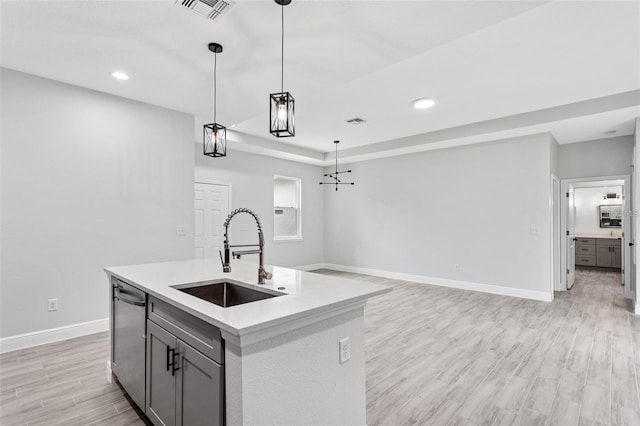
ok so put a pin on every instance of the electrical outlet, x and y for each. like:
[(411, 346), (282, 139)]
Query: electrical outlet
[(52, 305), (534, 231), (345, 350), (456, 267), (180, 231)]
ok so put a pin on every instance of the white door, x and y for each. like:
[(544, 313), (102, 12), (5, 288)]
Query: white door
[(211, 202), (571, 236)]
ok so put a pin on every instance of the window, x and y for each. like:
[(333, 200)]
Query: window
[(286, 208)]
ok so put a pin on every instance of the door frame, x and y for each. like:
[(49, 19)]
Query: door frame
[(626, 228), (555, 234)]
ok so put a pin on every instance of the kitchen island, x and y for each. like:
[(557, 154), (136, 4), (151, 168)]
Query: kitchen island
[(296, 357)]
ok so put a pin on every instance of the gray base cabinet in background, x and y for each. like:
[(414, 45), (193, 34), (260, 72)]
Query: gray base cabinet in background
[(586, 252), (601, 252), (608, 253)]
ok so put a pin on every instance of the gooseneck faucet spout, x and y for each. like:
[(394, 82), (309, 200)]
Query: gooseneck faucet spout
[(226, 265)]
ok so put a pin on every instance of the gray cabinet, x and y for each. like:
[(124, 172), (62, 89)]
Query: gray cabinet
[(609, 253), (604, 257), (161, 387), (185, 387), (586, 252), (601, 252), (199, 389), (616, 257)]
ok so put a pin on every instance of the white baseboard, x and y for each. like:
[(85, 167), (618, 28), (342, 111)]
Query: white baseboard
[(443, 282), (22, 341), (311, 267)]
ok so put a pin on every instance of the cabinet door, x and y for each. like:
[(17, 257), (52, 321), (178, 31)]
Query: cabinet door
[(161, 379), (200, 389), (616, 257), (603, 256)]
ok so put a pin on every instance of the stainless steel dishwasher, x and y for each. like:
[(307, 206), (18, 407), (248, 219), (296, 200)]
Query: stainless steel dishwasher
[(129, 340)]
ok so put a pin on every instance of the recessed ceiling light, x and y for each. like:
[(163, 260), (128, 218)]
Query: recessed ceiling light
[(610, 132), (119, 75), (423, 103)]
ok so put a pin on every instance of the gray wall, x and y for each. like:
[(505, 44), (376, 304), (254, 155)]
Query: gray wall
[(602, 157), (88, 180), (251, 179), (484, 207)]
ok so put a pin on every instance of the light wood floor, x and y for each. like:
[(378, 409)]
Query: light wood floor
[(434, 356)]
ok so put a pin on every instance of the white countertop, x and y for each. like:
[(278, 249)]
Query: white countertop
[(610, 237), (307, 294)]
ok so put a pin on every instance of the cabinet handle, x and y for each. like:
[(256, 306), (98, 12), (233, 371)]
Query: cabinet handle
[(174, 364), (170, 352)]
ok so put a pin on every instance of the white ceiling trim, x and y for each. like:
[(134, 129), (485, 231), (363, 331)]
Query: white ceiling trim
[(623, 107)]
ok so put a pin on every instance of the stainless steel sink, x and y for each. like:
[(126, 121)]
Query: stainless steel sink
[(227, 294)]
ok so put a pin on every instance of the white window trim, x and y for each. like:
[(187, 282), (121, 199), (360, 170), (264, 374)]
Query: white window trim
[(290, 238)]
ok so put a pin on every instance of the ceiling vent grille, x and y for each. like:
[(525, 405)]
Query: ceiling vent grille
[(356, 121), (210, 9), (611, 195)]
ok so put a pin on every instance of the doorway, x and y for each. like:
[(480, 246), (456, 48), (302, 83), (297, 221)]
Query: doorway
[(211, 207), (594, 227)]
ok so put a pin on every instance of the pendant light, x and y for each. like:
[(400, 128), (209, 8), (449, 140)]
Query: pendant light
[(214, 134), (282, 105), (334, 175)]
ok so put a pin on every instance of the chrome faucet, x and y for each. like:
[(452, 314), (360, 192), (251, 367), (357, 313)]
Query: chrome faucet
[(226, 266)]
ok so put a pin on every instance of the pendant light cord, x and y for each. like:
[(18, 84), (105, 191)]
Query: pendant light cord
[(215, 91), (282, 51)]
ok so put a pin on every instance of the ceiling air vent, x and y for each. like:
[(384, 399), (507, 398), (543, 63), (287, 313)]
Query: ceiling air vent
[(610, 195), (355, 121), (210, 9)]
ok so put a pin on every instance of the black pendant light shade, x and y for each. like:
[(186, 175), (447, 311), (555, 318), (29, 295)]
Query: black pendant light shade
[(215, 140), (282, 105), (214, 135), (282, 114)]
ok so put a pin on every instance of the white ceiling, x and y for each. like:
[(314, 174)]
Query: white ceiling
[(604, 187), (483, 61)]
